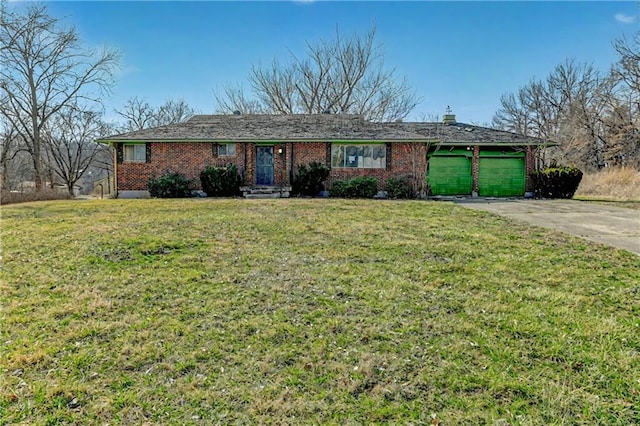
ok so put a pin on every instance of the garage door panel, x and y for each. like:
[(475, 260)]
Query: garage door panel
[(501, 177), (450, 175)]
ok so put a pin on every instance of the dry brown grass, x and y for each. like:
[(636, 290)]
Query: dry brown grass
[(8, 197), (621, 184)]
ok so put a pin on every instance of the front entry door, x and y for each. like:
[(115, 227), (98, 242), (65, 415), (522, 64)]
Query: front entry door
[(264, 165)]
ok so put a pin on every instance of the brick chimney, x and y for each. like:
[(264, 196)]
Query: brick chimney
[(449, 117)]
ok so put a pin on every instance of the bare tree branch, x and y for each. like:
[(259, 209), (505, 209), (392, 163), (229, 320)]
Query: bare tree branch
[(138, 114), (43, 70), (70, 146), (341, 75)]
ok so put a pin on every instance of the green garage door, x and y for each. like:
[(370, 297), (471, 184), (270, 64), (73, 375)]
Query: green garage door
[(501, 176), (450, 175)]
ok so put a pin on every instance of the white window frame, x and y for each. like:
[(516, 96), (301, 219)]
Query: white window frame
[(358, 156), (134, 153)]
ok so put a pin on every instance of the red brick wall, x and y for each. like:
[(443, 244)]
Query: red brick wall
[(280, 172), (187, 158), (190, 158), (530, 163), (308, 152)]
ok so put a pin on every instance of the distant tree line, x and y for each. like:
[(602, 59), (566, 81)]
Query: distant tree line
[(594, 116), (51, 112)]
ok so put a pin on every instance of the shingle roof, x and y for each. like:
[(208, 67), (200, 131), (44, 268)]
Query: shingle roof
[(317, 127), (465, 134)]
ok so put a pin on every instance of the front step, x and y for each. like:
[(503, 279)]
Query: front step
[(266, 191), (254, 196)]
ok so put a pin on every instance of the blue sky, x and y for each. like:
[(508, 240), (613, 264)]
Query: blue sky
[(462, 54)]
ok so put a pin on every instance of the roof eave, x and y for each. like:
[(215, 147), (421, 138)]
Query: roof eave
[(332, 140), (256, 140)]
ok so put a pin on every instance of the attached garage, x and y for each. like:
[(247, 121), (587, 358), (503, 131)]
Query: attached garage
[(450, 172), (501, 174)]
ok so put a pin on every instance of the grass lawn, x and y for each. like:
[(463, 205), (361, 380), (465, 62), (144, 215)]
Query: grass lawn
[(310, 312)]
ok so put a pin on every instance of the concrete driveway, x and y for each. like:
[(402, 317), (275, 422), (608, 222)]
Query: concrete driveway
[(613, 226)]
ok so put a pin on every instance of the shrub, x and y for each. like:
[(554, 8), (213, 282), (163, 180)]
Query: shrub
[(339, 189), (399, 188), (359, 187), (556, 182), (310, 179), (221, 181), (172, 185)]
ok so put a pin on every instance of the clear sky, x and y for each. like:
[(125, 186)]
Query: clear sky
[(462, 54)]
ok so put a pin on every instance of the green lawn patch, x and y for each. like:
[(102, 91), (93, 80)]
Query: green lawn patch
[(310, 312)]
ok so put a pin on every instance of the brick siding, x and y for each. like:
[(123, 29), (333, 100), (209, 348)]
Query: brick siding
[(530, 163), (404, 159), (187, 158)]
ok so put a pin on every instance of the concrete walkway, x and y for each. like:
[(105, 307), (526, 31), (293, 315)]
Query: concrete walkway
[(613, 226)]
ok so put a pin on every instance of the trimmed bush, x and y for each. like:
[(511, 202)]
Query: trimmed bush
[(172, 185), (556, 182), (310, 179), (221, 181), (339, 189), (360, 187), (399, 188)]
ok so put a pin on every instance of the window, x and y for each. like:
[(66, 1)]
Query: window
[(226, 149), (135, 153), (359, 156)]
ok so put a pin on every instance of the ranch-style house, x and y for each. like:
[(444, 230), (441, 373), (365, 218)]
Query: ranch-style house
[(453, 158)]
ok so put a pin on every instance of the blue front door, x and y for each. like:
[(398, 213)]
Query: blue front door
[(264, 165)]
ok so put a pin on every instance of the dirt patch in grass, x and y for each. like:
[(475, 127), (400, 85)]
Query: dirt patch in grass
[(310, 311)]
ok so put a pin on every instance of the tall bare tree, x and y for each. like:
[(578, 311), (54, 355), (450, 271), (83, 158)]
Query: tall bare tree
[(340, 75), (9, 148), (43, 69), (173, 111), (626, 114), (513, 115), (628, 67), (553, 108), (138, 114), (70, 146), (233, 98)]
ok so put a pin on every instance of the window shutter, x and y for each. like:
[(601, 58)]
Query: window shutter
[(148, 148), (119, 153), (388, 159), (214, 149), (328, 156)]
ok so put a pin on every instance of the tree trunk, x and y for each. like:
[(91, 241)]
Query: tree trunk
[(37, 169)]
